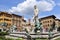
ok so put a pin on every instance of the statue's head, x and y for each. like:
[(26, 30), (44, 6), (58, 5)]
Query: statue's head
[(35, 6)]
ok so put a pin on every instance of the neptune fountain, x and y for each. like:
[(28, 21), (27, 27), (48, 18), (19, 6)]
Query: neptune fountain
[(36, 32)]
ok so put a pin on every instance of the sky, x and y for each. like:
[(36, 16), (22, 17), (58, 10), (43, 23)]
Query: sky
[(26, 7)]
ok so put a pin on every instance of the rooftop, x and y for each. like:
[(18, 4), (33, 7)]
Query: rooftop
[(47, 17), (57, 19), (9, 14), (16, 15)]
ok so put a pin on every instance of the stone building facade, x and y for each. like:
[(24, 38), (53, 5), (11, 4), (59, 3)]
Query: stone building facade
[(47, 22), (11, 19), (57, 21)]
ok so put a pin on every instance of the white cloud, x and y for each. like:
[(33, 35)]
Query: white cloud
[(26, 7)]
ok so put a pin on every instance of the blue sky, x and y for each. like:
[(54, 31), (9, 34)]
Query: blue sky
[(21, 7), (7, 4)]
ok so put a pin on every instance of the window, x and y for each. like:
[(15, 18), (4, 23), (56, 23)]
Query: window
[(1, 15), (48, 24), (7, 15), (50, 20), (7, 19), (1, 19)]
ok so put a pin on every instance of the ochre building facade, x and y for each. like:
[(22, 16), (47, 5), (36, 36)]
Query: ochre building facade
[(47, 21), (12, 19)]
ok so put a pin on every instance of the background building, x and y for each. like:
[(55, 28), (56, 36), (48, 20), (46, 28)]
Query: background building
[(57, 21), (8, 20), (11, 19), (29, 25), (5, 18), (16, 21), (47, 22)]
